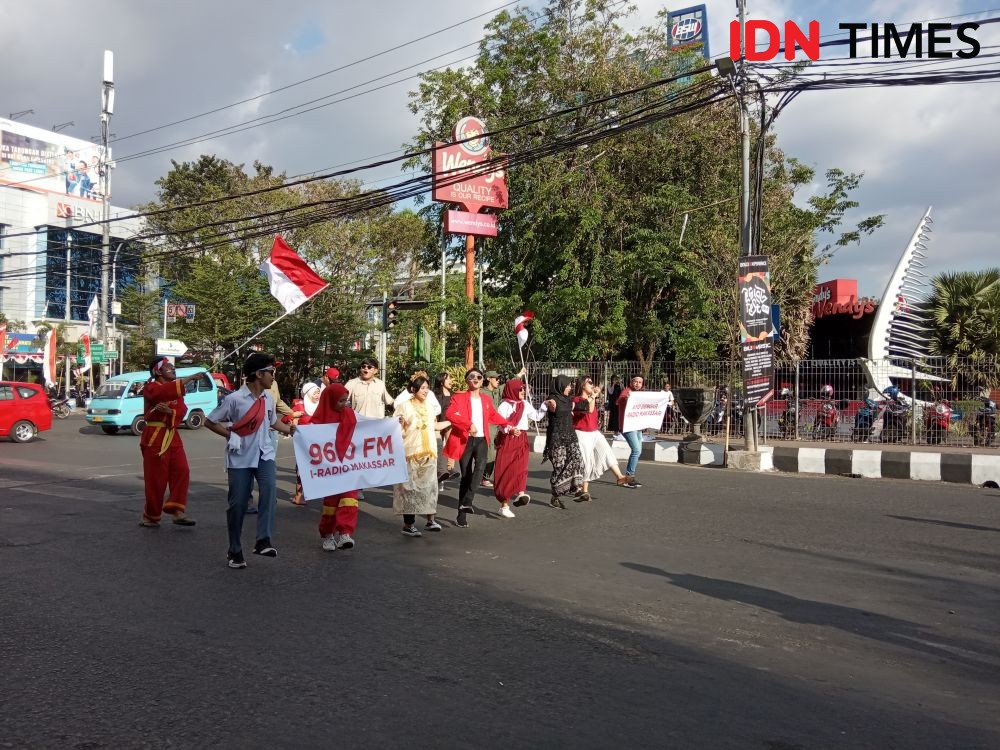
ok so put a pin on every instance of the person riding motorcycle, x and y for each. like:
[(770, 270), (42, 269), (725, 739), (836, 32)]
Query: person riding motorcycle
[(788, 419), (827, 415), (984, 429), (864, 421)]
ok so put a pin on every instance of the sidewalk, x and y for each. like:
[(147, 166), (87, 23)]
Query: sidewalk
[(940, 463)]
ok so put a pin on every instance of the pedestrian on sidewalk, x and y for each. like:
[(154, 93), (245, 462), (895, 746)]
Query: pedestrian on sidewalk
[(633, 437), (469, 413), (244, 418), (420, 423), (594, 449), (340, 512), (511, 475), (562, 449), (164, 462)]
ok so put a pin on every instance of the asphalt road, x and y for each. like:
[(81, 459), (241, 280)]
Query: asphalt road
[(709, 609)]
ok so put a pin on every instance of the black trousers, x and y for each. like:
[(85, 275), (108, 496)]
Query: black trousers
[(472, 463)]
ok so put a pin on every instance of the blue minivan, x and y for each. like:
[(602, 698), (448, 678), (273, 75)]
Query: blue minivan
[(118, 403)]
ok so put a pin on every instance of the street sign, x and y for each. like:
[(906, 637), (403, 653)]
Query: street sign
[(170, 348), (181, 310), (111, 355), (97, 355)]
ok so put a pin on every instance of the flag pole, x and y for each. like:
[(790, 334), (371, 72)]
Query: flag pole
[(269, 325)]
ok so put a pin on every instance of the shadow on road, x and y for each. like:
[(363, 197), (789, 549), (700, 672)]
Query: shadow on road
[(949, 524)]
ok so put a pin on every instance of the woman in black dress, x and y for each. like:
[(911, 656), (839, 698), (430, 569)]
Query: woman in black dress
[(562, 448), (442, 391)]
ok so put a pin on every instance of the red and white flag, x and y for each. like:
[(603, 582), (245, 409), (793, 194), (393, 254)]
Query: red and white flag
[(3, 341), (49, 359), (291, 279), (521, 327)]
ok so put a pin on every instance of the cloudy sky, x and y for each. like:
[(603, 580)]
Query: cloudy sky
[(173, 61)]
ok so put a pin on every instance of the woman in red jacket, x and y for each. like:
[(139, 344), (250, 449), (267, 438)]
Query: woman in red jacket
[(470, 415)]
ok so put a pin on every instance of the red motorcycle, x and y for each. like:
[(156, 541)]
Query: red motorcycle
[(936, 421), (827, 416)]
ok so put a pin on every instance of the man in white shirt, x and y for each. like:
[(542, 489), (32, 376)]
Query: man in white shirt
[(244, 418)]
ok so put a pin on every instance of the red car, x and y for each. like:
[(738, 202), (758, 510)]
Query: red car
[(24, 411)]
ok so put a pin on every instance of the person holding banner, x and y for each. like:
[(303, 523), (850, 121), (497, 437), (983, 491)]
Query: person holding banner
[(244, 418), (340, 512), (419, 494), (597, 454), (562, 449), (511, 473), (164, 461), (633, 437), (470, 413)]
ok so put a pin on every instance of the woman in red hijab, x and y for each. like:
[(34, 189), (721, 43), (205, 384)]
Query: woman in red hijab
[(340, 512), (510, 476)]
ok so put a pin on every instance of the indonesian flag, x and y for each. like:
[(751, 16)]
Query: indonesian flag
[(49, 359), (291, 280), (521, 327), (85, 343), (93, 314), (3, 340)]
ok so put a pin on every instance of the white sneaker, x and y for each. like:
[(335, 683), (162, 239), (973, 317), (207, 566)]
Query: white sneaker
[(329, 543), (506, 512), (345, 542)]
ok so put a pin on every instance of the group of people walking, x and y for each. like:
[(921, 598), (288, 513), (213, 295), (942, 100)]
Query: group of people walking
[(474, 431)]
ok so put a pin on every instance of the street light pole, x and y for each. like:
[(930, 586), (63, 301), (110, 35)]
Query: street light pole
[(114, 302), (107, 109)]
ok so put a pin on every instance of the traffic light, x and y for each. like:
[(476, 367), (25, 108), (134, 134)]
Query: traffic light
[(390, 311)]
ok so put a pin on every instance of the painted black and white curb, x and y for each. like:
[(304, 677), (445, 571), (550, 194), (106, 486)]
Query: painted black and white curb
[(959, 468)]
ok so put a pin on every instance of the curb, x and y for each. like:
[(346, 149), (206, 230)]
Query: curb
[(956, 468)]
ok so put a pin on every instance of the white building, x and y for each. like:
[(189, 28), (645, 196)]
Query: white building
[(50, 231)]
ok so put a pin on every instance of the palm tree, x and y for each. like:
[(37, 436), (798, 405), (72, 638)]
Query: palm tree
[(964, 308)]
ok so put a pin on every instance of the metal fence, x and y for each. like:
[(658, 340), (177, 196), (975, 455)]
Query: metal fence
[(939, 401)]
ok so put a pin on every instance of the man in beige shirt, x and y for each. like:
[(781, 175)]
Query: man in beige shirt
[(369, 396)]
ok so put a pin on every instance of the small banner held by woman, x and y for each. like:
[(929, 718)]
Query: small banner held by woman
[(374, 458)]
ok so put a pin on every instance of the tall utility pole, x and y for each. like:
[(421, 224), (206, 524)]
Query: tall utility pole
[(470, 293), (107, 109), (746, 228)]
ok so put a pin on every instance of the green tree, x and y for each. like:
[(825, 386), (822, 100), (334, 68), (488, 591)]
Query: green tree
[(964, 310), (592, 241)]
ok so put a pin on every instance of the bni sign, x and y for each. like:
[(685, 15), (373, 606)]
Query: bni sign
[(689, 26)]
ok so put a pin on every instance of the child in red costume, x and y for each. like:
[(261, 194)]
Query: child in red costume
[(164, 461), (340, 512)]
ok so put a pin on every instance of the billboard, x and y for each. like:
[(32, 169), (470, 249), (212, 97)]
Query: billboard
[(756, 328), (47, 162), (689, 26), (482, 189)]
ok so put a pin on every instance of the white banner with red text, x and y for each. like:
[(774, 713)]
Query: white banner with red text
[(374, 458), (645, 410)]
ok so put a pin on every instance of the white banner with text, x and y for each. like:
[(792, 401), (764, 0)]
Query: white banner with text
[(645, 410), (374, 458)]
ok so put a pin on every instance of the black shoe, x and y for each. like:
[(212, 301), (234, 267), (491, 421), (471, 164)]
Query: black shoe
[(522, 499), (461, 522), (263, 547), (557, 503), (467, 509), (582, 497), (634, 484), (235, 560)]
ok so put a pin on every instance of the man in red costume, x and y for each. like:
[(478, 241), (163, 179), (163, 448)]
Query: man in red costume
[(164, 461)]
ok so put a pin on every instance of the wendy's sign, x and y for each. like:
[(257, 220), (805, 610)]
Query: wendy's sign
[(462, 174)]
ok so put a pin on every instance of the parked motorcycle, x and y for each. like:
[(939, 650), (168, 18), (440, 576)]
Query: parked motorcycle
[(984, 429), (788, 419), (895, 418), (865, 420), (60, 407), (827, 416), (937, 420)]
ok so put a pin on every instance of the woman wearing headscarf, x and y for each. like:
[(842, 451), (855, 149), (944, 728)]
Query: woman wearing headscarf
[(418, 495), (510, 477), (311, 393), (597, 455), (562, 449), (340, 512)]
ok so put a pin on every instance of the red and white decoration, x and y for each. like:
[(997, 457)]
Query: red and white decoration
[(291, 279), (3, 341), (49, 359), (87, 363), (93, 314), (521, 327)]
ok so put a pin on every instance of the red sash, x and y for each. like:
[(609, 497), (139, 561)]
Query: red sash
[(250, 422)]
